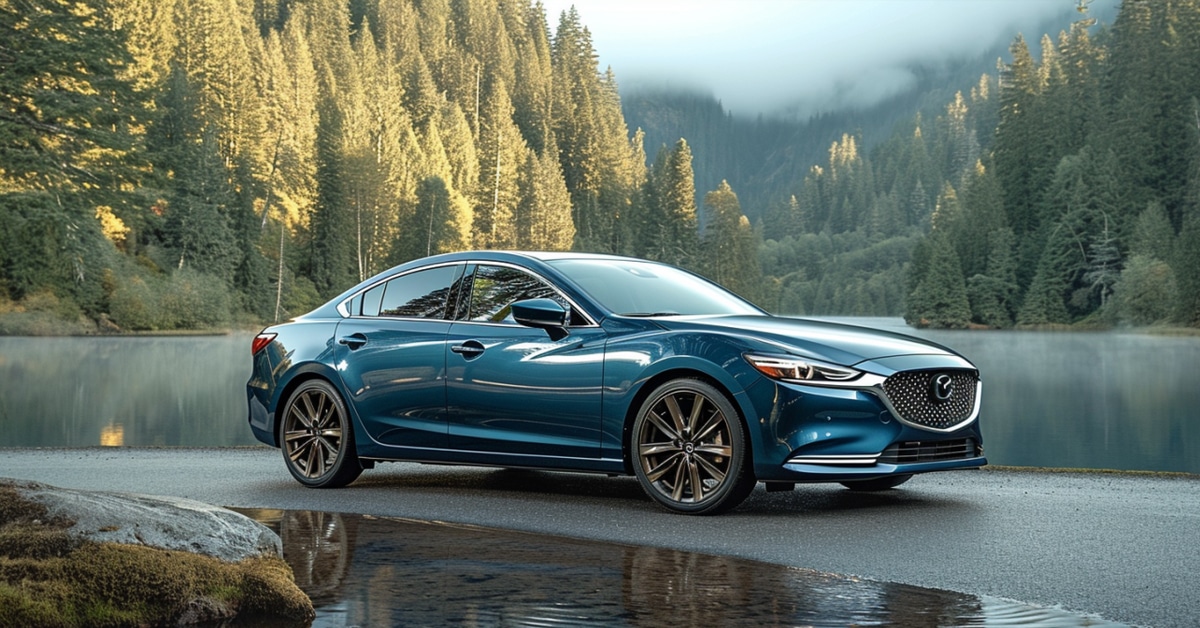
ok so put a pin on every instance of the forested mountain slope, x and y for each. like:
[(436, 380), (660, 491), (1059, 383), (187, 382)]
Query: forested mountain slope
[(191, 163)]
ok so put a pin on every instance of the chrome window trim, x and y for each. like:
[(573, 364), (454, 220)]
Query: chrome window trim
[(344, 310)]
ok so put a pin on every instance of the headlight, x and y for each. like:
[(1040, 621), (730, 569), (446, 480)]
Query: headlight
[(801, 370)]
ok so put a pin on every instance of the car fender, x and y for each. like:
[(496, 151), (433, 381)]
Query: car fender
[(635, 365), (312, 360)]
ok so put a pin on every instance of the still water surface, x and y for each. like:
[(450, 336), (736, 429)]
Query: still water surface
[(375, 571), (1106, 400)]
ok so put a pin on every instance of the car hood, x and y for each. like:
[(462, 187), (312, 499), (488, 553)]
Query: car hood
[(834, 342)]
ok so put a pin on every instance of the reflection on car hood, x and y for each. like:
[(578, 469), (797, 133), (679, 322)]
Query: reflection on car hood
[(842, 344)]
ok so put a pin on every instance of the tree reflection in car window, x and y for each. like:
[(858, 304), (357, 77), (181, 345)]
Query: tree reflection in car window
[(496, 288), (418, 295)]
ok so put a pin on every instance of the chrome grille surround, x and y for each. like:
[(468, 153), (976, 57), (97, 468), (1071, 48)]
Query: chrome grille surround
[(907, 394)]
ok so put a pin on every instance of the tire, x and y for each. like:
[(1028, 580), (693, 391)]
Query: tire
[(878, 484), (316, 437), (689, 449)]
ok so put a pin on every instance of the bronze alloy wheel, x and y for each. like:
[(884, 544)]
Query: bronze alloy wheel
[(689, 449), (316, 437)]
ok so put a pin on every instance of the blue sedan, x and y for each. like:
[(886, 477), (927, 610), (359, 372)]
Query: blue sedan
[(604, 364)]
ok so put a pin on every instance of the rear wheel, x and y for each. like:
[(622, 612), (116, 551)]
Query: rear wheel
[(689, 449), (316, 437), (878, 484)]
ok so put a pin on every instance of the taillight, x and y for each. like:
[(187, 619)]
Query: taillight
[(260, 342)]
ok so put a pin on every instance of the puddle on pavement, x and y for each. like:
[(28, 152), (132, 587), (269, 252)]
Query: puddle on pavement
[(376, 571)]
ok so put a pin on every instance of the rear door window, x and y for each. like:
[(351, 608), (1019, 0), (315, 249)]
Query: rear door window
[(419, 294)]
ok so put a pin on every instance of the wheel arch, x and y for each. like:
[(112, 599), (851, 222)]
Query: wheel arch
[(652, 383), (303, 374)]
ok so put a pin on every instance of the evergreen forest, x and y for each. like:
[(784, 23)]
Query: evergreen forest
[(185, 164)]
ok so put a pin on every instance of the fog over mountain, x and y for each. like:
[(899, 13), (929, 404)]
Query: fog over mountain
[(799, 57)]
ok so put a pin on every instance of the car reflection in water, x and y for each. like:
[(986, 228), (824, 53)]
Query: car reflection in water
[(376, 571)]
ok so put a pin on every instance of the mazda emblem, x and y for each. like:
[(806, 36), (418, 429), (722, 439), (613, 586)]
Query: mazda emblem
[(943, 387)]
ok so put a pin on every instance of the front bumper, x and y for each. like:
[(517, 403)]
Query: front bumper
[(826, 473), (820, 434)]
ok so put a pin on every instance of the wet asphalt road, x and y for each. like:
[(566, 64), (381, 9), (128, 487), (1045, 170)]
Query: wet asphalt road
[(1126, 547)]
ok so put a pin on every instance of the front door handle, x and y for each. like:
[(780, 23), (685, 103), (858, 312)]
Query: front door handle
[(470, 349), (353, 341)]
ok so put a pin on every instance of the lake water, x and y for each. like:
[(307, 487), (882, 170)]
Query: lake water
[(378, 571), (1105, 400)]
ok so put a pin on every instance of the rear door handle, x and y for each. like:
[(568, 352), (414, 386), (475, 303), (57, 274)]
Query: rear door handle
[(353, 341), (469, 349)]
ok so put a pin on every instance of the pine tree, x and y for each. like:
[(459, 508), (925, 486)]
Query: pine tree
[(983, 215), (331, 261), (433, 227), (533, 92), (1186, 261), (729, 246), (673, 237), (150, 40), (502, 153), (291, 84), (784, 219), (1062, 263), (437, 165), (993, 294), (214, 57), (601, 171), (1104, 264), (67, 113), (69, 120), (199, 220), (1153, 236), (960, 144), (939, 297), (461, 151), (543, 219), (1147, 292), (1149, 94), (380, 153), (574, 72), (1021, 158)]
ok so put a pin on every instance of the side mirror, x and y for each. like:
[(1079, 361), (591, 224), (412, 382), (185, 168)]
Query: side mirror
[(545, 314)]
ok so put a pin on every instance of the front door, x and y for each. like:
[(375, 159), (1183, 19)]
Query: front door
[(512, 389)]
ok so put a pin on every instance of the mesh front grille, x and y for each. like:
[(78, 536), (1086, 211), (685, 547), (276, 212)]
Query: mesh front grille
[(914, 396), (924, 451)]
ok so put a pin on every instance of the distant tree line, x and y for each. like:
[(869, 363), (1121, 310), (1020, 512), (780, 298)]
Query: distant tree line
[(1061, 191), (1086, 208)]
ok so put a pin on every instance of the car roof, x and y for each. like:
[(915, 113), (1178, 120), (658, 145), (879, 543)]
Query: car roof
[(538, 257), (546, 256)]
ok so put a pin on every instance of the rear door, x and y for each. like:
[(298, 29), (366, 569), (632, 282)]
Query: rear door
[(392, 356)]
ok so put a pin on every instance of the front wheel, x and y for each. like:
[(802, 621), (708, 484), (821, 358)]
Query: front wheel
[(878, 484), (316, 437), (689, 449)]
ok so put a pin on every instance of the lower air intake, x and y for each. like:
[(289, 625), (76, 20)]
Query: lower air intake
[(925, 451)]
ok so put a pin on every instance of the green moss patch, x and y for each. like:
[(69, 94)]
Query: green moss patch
[(48, 578)]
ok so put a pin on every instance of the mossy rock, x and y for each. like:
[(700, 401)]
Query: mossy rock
[(49, 577)]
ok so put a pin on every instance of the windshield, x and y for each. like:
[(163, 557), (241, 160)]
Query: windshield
[(636, 288)]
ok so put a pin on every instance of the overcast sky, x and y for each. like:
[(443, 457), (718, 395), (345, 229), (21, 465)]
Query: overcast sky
[(762, 56)]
